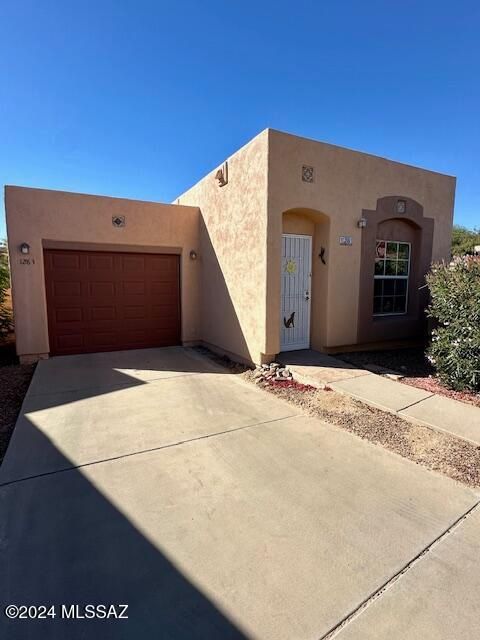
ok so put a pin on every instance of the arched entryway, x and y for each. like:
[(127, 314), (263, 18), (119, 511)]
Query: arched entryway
[(304, 279), (396, 255)]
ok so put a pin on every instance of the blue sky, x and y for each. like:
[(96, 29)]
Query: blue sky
[(140, 99)]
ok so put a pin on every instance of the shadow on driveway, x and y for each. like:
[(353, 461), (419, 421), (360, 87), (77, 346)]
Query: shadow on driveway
[(64, 542)]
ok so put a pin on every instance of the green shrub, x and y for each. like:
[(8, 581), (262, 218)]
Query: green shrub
[(455, 305), (464, 240), (5, 314)]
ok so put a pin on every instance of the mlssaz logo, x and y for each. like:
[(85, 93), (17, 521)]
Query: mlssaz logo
[(91, 611)]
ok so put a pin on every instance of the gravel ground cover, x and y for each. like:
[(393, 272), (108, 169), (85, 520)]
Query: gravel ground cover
[(442, 452), (413, 366), (7, 353), (14, 381), (436, 450)]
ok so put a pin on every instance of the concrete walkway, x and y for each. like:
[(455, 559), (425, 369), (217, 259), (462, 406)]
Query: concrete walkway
[(438, 412), (214, 510)]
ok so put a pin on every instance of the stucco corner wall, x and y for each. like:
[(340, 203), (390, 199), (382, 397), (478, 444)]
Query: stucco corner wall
[(56, 219), (233, 252)]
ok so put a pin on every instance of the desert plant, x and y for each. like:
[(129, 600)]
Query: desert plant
[(455, 305), (5, 313)]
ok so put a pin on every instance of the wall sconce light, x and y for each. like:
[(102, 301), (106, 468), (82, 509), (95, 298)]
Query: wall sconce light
[(25, 248), (362, 223), (193, 255)]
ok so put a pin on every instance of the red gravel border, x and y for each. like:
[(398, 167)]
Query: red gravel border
[(14, 382)]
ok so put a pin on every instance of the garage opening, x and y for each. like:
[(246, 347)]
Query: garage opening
[(109, 301)]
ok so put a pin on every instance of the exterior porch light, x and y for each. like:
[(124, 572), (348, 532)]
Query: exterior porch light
[(25, 248), (362, 223), (193, 255)]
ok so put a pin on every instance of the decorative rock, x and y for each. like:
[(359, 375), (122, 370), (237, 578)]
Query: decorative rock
[(395, 376), (271, 373)]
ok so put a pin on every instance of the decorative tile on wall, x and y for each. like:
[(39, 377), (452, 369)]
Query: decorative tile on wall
[(118, 221), (307, 173)]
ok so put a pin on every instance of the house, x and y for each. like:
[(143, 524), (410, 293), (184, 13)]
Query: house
[(290, 244)]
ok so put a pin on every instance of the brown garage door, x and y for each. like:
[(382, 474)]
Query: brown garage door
[(107, 301)]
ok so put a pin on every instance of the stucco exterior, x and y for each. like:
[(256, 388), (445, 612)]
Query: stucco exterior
[(58, 220), (345, 183), (234, 252), (234, 221)]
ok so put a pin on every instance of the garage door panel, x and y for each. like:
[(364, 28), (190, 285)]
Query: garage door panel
[(160, 338), (133, 265), (68, 315), (134, 288), (164, 311), (103, 313), (166, 323), (101, 289), (162, 263), (90, 328), (163, 278), (162, 271), (138, 336), (99, 262), (103, 339), (67, 289), (134, 312), (163, 289), (64, 261), (100, 301), (70, 341)]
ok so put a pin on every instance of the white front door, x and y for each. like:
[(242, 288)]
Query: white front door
[(296, 292)]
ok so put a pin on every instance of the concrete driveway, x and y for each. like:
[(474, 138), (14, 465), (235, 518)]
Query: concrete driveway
[(159, 480)]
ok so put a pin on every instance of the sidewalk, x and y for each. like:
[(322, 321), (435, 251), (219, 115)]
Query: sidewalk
[(437, 412)]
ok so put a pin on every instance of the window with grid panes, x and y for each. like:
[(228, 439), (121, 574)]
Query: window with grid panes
[(392, 268)]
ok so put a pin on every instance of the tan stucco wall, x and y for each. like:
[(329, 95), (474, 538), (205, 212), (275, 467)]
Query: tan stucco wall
[(345, 183), (231, 293), (55, 219), (233, 252)]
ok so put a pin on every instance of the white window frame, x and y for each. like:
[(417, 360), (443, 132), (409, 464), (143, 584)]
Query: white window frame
[(384, 277)]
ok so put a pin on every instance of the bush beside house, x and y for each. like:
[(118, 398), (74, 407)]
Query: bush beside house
[(5, 309), (464, 240), (455, 306)]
